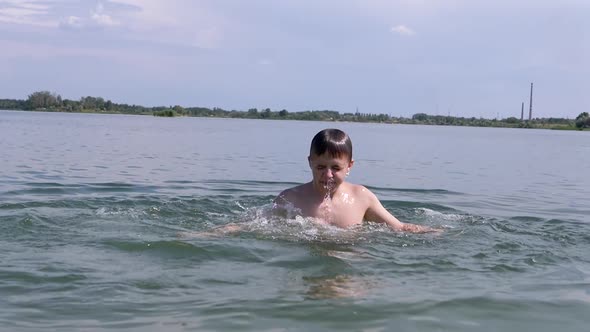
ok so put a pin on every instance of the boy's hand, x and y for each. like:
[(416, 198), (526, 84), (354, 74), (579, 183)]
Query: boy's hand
[(218, 231), (412, 228)]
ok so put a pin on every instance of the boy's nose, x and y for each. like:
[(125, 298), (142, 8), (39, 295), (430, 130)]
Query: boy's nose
[(329, 173)]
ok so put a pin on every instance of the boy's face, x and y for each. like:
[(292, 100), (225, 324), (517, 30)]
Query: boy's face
[(328, 172)]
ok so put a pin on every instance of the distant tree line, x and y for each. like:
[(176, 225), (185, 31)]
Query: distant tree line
[(583, 120), (49, 101), (511, 122)]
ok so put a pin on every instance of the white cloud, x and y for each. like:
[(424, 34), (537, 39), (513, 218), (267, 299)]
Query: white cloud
[(71, 22), (102, 19), (403, 30), (180, 22), (32, 12), (96, 18), (55, 13)]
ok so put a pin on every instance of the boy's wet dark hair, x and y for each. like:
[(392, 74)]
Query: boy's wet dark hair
[(334, 141)]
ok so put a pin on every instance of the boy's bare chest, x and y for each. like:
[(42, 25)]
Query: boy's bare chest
[(341, 212)]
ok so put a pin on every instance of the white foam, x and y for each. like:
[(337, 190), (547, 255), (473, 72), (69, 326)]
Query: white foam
[(291, 225), (132, 212), (436, 215)]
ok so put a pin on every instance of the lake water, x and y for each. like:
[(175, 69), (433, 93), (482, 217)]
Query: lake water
[(91, 208)]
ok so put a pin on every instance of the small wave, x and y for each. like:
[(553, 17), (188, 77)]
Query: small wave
[(436, 215), (40, 277), (121, 187), (164, 246), (251, 183), (130, 212), (119, 211), (411, 190)]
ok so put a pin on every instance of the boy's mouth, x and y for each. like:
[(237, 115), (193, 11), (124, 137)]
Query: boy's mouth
[(329, 184)]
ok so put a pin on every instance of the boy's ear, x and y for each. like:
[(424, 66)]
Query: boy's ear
[(350, 163), (309, 160)]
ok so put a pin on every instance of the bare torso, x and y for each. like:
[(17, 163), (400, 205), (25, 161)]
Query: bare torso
[(344, 208)]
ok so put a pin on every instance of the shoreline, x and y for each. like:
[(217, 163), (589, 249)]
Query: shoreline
[(489, 123)]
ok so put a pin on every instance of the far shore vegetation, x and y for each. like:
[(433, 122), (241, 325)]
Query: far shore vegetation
[(52, 102)]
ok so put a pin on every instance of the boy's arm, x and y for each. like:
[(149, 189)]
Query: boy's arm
[(217, 231), (279, 204), (376, 212), (286, 204)]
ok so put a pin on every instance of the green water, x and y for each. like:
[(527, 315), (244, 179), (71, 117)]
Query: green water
[(108, 223)]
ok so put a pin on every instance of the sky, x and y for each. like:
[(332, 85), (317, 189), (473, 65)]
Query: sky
[(400, 57)]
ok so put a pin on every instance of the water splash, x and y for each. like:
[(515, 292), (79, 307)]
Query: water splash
[(326, 207), (329, 186), (432, 214)]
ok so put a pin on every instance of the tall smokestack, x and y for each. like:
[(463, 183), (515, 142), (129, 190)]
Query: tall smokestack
[(531, 104), (522, 111)]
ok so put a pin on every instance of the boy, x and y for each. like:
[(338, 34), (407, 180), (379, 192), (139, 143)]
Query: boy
[(328, 197)]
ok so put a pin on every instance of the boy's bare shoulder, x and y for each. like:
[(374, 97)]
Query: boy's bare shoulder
[(291, 195), (361, 192)]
